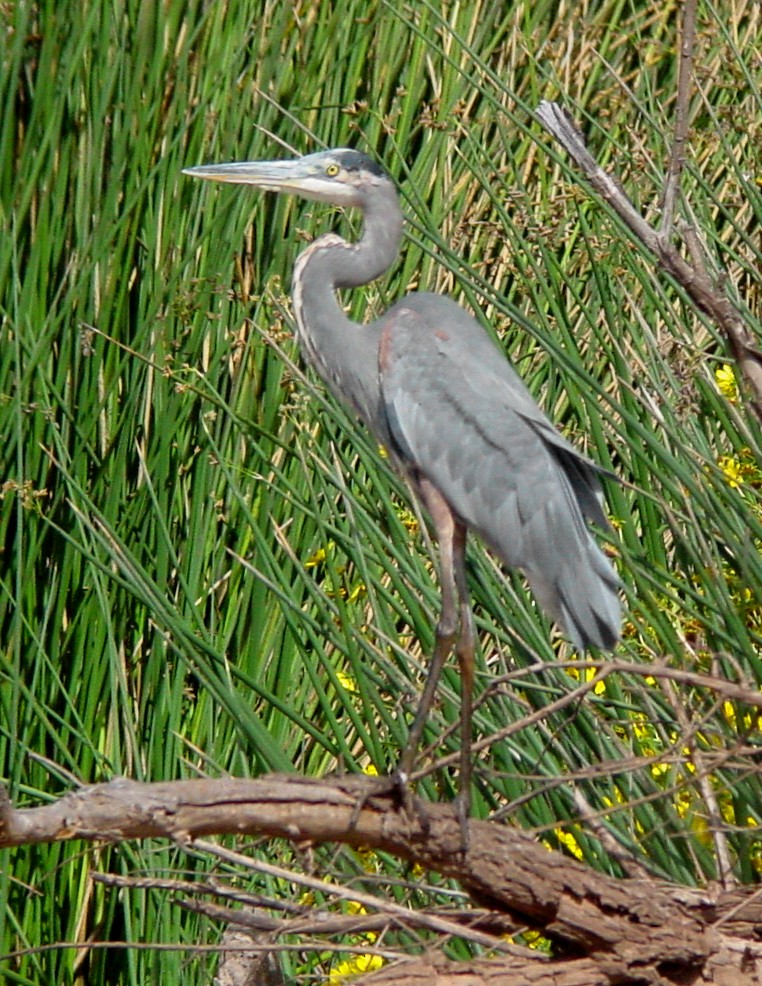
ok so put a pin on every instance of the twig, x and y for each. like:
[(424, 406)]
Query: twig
[(391, 910), (631, 866), (730, 690), (704, 782)]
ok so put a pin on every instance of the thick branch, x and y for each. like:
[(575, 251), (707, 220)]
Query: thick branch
[(606, 930), (439, 971), (632, 922)]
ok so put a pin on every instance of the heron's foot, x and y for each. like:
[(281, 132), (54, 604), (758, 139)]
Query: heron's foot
[(400, 783), (413, 807)]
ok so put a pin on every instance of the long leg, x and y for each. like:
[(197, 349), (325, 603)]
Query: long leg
[(465, 653), (445, 526), (455, 622)]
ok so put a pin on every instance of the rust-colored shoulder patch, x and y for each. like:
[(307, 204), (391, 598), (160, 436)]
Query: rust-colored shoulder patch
[(385, 348)]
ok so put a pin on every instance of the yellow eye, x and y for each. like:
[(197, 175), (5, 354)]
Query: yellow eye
[(332, 170)]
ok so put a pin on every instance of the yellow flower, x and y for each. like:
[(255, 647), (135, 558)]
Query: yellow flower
[(315, 559), (358, 591), (741, 469), (749, 720), (568, 841), (357, 963), (355, 907), (690, 766), (354, 967), (733, 470), (619, 797), (342, 592), (590, 673), (683, 802), (537, 941), (726, 381), (346, 681), (756, 857), (409, 520)]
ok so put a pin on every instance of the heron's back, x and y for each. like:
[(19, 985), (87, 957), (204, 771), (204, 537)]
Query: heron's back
[(461, 417)]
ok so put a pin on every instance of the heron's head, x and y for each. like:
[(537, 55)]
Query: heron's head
[(340, 177)]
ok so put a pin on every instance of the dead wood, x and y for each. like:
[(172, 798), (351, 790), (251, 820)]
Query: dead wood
[(605, 930)]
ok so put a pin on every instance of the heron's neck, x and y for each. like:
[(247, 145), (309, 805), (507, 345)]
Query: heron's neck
[(343, 352), (331, 262)]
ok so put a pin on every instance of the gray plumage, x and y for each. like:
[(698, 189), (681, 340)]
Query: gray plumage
[(458, 421), (469, 425)]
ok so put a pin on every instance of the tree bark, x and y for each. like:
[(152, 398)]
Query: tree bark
[(605, 930)]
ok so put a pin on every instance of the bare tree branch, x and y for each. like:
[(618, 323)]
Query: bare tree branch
[(625, 926), (693, 277)]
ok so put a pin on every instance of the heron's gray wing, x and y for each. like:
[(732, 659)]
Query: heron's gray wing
[(459, 415)]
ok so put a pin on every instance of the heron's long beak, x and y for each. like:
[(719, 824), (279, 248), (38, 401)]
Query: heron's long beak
[(319, 177), (274, 176)]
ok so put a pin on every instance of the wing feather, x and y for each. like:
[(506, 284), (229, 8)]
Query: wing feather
[(460, 416)]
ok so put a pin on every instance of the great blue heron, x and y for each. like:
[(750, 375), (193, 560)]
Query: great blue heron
[(456, 420)]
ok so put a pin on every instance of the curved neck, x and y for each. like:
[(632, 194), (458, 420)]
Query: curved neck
[(344, 353)]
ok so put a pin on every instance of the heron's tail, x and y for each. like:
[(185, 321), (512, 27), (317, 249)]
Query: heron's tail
[(583, 598)]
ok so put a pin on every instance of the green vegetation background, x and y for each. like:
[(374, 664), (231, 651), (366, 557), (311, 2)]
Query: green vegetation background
[(206, 568)]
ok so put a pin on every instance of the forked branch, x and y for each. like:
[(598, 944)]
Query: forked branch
[(606, 930)]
